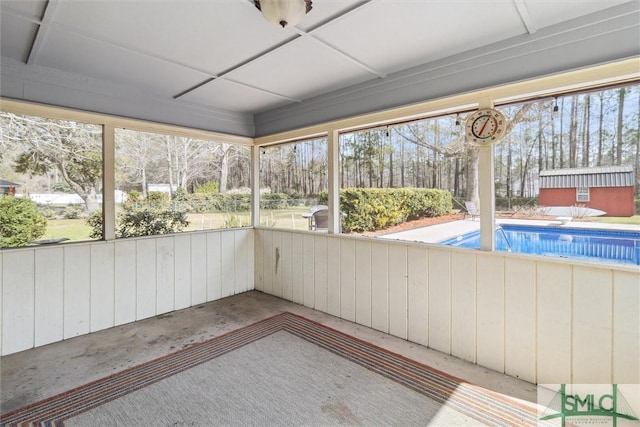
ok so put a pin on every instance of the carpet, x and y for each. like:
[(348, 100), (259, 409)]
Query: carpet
[(284, 370)]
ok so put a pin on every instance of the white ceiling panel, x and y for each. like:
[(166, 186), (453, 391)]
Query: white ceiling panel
[(83, 56), (32, 9), (393, 35), (325, 10), (301, 69), (231, 96), (16, 37), (167, 49), (211, 36), (550, 12)]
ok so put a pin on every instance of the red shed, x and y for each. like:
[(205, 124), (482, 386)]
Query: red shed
[(608, 188)]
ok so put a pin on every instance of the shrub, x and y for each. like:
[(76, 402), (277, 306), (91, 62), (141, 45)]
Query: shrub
[(139, 220), (368, 209), (20, 222), (149, 222), (73, 212), (208, 187)]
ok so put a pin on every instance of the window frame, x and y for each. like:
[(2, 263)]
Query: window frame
[(580, 193)]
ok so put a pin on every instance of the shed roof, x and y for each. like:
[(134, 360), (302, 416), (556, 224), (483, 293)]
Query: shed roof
[(5, 183), (601, 176)]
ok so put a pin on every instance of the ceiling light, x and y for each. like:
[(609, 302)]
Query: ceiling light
[(283, 12)]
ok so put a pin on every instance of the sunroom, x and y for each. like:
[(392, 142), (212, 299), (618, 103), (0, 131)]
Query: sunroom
[(119, 108)]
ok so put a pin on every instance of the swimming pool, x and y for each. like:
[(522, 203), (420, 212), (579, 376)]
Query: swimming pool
[(602, 245)]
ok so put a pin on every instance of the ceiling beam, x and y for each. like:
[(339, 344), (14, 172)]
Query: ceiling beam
[(43, 30), (526, 17)]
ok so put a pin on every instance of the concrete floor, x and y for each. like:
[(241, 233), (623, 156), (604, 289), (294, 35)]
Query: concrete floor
[(35, 374)]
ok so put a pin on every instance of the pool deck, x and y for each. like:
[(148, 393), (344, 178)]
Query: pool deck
[(440, 232)]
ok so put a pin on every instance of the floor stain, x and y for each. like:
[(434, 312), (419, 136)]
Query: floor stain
[(341, 413)]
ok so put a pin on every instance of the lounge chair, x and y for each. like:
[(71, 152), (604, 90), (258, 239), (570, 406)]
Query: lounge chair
[(471, 210)]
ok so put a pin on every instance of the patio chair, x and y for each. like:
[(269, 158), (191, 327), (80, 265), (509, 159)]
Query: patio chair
[(318, 217), (471, 210)]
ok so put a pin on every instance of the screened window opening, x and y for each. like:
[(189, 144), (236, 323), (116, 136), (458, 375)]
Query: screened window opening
[(50, 180), (293, 185), (167, 184)]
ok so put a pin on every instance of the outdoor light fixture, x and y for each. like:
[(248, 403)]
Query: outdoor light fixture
[(283, 12), (555, 108)]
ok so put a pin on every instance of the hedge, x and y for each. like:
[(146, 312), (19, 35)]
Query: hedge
[(368, 209)]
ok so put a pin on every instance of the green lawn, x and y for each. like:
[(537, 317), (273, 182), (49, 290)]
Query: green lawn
[(77, 229), (618, 220), (72, 229)]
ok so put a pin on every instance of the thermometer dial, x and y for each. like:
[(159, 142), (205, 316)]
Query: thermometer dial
[(485, 126)]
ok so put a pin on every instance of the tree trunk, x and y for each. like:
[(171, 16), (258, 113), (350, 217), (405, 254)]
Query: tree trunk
[(600, 129), (472, 193), (573, 133), (619, 138)]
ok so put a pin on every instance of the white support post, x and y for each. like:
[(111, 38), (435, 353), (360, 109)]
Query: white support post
[(255, 186), (486, 192), (333, 181), (108, 182)]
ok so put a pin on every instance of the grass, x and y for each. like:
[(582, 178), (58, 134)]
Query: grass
[(291, 218), (78, 230), (72, 229), (618, 220)]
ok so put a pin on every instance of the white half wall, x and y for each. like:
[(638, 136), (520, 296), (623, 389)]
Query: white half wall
[(548, 321), (53, 293)]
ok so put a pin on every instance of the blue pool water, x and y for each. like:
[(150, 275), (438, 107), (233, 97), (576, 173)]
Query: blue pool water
[(607, 245)]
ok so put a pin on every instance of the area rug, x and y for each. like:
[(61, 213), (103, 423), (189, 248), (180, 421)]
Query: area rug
[(284, 370)]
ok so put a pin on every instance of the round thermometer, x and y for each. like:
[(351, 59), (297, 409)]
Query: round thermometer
[(486, 126)]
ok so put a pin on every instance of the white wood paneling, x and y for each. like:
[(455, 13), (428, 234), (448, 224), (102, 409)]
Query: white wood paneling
[(554, 288), (102, 286), (250, 260), (49, 301), (440, 300), (320, 269), (228, 263), (363, 282), (418, 295), (520, 319), (276, 241), (125, 294), (463, 306), (182, 268), (77, 290), (214, 267), (348, 279), (165, 275), (511, 314), (145, 278), (490, 309), (398, 290), (18, 299), (199, 268), (592, 325), (380, 286), (53, 293), (297, 273), (286, 263), (268, 261), (259, 263), (308, 277), (626, 328), (241, 259), (333, 276)]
